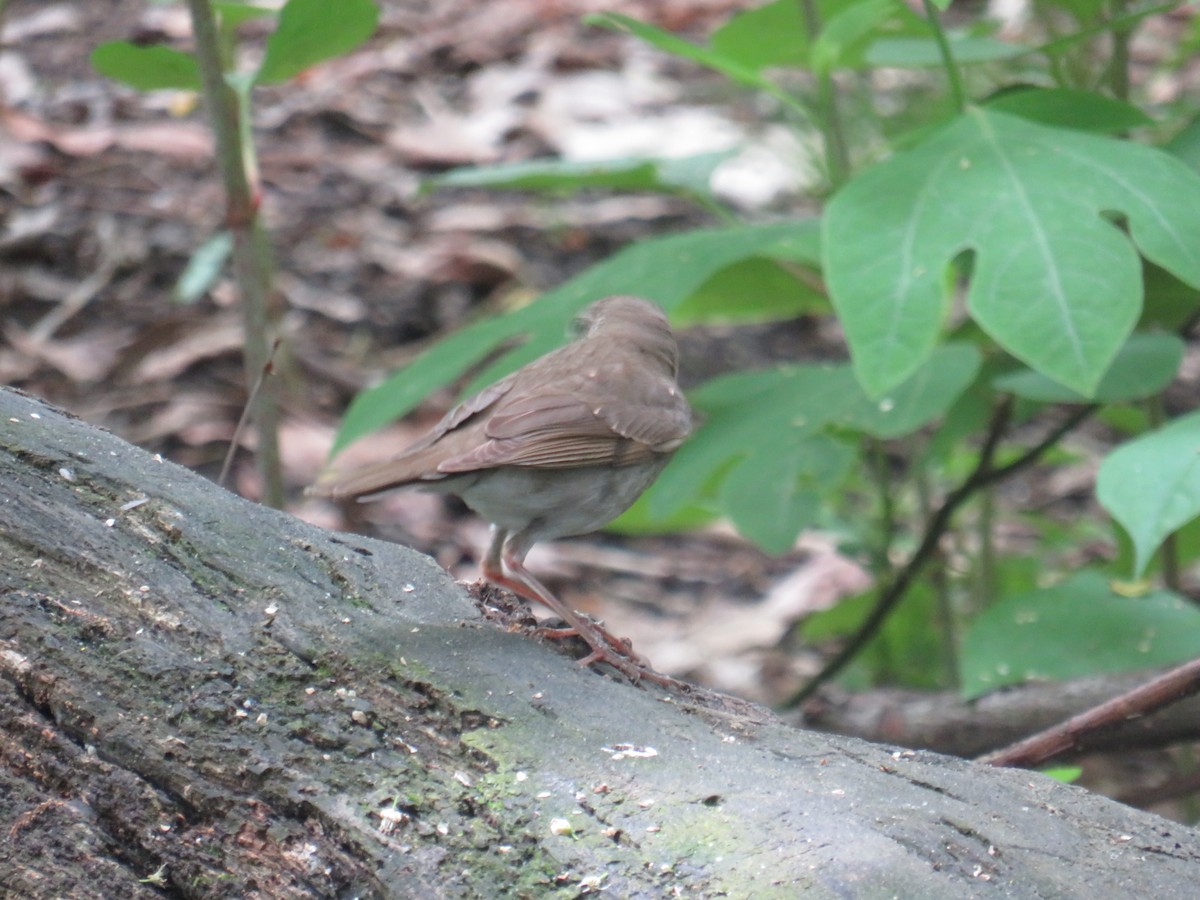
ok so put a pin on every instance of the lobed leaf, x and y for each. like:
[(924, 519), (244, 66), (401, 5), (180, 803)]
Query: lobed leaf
[(1054, 280)]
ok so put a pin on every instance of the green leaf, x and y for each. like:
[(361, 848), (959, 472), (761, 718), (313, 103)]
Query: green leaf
[(677, 46), (1054, 281), (1128, 420), (730, 67), (770, 425), (690, 174), (753, 290), (1083, 11), (801, 244), (234, 13), (1077, 628), (310, 31), (840, 620), (908, 52), (730, 410), (770, 35), (949, 446), (846, 32), (1070, 108), (666, 270), (1151, 485), (777, 489), (1065, 774), (775, 34), (204, 267), (927, 395), (1186, 144), (147, 68), (760, 288), (1169, 304), (1144, 366), (1094, 24)]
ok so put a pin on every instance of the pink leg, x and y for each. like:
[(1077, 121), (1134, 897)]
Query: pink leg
[(504, 567)]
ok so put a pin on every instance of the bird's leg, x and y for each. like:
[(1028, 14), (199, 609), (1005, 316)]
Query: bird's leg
[(503, 565)]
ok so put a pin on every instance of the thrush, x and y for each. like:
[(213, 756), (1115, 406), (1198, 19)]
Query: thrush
[(560, 447)]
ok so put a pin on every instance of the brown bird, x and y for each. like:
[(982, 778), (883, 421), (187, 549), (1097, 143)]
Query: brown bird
[(560, 447)]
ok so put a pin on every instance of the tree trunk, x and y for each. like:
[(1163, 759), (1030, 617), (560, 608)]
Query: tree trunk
[(207, 698)]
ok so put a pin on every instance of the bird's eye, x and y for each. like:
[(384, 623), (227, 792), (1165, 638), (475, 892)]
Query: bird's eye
[(580, 325)]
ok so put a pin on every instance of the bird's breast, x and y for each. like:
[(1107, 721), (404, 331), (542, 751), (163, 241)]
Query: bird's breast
[(561, 501)]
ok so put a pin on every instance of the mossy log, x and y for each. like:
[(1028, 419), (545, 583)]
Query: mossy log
[(202, 697)]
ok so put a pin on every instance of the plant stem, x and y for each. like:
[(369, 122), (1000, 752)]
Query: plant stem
[(953, 77), (943, 601), (983, 475), (837, 155), (985, 569), (878, 461), (251, 249), (1118, 63)]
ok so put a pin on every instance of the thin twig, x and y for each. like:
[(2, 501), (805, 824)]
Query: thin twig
[(938, 526), (1172, 687), (944, 604), (1034, 453), (268, 369), (981, 476), (880, 467), (1119, 61)]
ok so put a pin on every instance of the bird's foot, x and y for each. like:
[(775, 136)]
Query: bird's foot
[(616, 652), (622, 646), (632, 667), (606, 647)]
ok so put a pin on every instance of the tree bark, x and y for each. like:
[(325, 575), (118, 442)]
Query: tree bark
[(202, 697)]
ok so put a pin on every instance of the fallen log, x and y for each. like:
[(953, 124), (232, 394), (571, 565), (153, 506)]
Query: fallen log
[(207, 698)]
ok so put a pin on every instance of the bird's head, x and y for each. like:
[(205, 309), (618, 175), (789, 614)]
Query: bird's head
[(636, 322)]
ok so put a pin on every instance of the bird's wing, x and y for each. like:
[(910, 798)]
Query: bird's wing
[(458, 416), (458, 431), (591, 413), (567, 430), (656, 415)]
